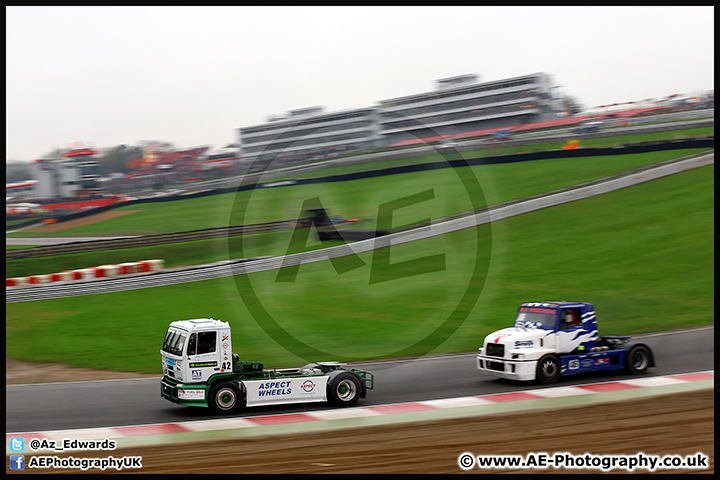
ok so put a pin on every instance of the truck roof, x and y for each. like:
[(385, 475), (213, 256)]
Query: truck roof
[(555, 304), (199, 324)]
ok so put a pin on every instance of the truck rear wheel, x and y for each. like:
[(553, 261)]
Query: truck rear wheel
[(637, 360), (225, 398), (344, 389), (548, 369)]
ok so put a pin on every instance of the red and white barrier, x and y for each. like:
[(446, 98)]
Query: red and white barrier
[(103, 271), (129, 267), (86, 273), (71, 275), (151, 265), (33, 279), (62, 276), (106, 271)]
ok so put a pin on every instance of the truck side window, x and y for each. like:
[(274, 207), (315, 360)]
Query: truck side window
[(192, 345), (571, 318), (206, 342)]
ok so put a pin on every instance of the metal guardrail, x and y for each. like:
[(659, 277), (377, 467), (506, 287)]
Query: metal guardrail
[(438, 227), (146, 240), (219, 232), (672, 117)]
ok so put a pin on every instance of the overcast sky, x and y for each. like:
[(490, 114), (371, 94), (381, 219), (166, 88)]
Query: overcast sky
[(192, 75)]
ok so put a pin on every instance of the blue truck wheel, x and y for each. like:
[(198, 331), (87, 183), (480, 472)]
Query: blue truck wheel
[(548, 369), (638, 359)]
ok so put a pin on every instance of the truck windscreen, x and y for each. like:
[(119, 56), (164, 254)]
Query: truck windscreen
[(174, 342), (543, 316)]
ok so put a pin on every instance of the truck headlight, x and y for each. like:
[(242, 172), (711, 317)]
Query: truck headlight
[(518, 356)]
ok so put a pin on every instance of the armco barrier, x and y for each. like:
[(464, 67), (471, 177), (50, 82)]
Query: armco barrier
[(460, 221), (146, 240), (225, 232)]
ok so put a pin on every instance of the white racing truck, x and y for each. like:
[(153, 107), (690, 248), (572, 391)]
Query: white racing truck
[(554, 339), (199, 369)]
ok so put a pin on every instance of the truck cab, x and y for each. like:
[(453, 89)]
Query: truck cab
[(569, 326), (195, 350), (553, 339), (200, 369)]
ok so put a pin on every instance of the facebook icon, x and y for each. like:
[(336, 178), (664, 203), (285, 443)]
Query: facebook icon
[(17, 462)]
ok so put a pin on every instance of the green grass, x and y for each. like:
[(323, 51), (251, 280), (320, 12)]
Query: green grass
[(361, 198), (357, 198), (12, 223), (173, 254), (643, 255), (15, 247)]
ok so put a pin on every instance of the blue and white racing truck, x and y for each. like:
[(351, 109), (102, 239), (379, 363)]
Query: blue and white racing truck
[(554, 339)]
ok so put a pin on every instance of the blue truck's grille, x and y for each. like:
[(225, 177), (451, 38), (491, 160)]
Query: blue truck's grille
[(499, 366), (495, 350)]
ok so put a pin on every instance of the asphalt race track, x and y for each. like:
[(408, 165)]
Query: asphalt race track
[(59, 406), (96, 404)]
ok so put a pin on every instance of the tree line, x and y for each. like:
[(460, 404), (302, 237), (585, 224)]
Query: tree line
[(110, 160)]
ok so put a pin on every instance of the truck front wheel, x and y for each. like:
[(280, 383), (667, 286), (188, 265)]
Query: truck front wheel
[(637, 360), (225, 398), (548, 369), (344, 389)]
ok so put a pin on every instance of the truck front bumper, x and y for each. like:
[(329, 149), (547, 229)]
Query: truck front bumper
[(522, 370), (176, 392)]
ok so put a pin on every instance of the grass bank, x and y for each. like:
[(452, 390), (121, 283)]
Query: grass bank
[(361, 198), (643, 255)]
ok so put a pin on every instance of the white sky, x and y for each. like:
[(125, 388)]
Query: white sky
[(193, 75)]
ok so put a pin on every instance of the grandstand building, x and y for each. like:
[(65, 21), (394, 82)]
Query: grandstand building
[(309, 134), (74, 174), (18, 190), (460, 104), (226, 157)]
